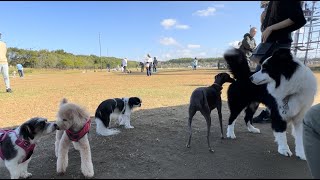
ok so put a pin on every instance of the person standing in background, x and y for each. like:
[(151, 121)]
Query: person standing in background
[(4, 68), (20, 70)]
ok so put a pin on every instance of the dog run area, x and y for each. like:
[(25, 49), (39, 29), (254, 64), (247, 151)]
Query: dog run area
[(156, 147)]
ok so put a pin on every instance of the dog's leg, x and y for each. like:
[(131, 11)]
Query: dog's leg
[(76, 146), (281, 139), (232, 120), (86, 161), (24, 169), (127, 122), (192, 112), (220, 118), (250, 110), (13, 168), (59, 134), (297, 132), (206, 114), (62, 161), (102, 130)]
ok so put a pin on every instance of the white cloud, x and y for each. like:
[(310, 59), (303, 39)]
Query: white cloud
[(168, 23), (206, 12), (172, 23), (182, 26), (234, 44), (167, 41), (193, 46)]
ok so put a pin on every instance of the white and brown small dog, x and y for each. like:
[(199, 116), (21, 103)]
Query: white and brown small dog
[(74, 124), (117, 108), (17, 145)]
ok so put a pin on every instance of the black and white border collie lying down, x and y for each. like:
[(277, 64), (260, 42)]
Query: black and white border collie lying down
[(117, 108), (17, 145), (285, 85)]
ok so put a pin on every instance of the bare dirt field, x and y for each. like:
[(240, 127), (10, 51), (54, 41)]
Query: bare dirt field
[(155, 148)]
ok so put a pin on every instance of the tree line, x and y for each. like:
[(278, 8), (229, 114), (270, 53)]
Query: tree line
[(64, 60)]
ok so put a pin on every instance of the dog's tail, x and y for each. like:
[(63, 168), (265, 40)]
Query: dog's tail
[(63, 101), (237, 63)]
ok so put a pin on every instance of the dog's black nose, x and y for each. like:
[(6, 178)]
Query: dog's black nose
[(56, 126)]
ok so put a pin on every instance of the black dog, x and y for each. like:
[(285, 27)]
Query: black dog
[(243, 94), (205, 99)]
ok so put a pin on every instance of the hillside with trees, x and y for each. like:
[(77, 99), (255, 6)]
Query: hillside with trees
[(63, 60)]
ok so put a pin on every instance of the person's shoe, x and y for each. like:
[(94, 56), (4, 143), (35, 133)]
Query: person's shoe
[(9, 90), (263, 117)]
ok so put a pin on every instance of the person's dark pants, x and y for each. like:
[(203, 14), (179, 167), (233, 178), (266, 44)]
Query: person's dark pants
[(154, 68), (149, 71), (124, 69), (311, 139), (20, 73), (142, 68)]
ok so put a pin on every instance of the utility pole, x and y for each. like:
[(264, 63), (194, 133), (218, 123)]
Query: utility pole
[(100, 52)]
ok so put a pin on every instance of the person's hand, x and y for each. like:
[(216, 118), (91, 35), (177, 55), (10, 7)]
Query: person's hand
[(266, 33)]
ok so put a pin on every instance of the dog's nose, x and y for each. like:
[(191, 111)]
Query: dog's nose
[(56, 126)]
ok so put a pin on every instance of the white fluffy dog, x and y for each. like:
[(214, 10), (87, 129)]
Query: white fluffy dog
[(74, 123)]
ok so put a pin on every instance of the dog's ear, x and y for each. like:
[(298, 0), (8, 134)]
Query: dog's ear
[(63, 101), (130, 102), (26, 132)]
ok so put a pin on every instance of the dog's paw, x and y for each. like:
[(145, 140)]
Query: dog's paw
[(88, 174), (301, 155), (26, 175), (231, 135), (285, 151), (129, 127), (252, 129), (61, 173)]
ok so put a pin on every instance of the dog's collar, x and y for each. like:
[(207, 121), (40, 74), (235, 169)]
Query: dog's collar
[(218, 85), (76, 136), (24, 144)]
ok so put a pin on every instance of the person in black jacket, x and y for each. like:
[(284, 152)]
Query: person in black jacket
[(281, 19), (248, 43)]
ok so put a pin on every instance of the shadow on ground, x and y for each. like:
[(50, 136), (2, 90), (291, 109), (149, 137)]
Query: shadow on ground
[(155, 148)]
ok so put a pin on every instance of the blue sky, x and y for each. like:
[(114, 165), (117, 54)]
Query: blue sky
[(129, 28)]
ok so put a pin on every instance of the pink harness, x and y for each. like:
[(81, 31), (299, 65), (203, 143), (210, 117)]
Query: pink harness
[(24, 144), (76, 136)]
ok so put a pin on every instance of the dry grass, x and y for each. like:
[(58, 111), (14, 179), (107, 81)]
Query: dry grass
[(40, 92)]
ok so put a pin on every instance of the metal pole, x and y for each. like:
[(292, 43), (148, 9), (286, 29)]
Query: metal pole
[(309, 33), (100, 52)]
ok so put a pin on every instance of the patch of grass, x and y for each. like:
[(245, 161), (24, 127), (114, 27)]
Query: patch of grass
[(40, 92)]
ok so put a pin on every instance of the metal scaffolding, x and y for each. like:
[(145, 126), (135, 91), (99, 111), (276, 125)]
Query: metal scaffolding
[(306, 40)]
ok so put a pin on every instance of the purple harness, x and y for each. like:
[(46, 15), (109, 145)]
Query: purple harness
[(25, 145)]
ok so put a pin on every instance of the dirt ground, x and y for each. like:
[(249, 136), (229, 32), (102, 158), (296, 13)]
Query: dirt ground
[(155, 148)]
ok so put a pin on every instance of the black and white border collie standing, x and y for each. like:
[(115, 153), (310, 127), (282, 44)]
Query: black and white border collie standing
[(117, 108), (285, 85), (17, 145)]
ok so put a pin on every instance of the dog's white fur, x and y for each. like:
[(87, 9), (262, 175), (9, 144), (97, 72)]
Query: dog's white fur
[(300, 91), (76, 117), (15, 167)]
